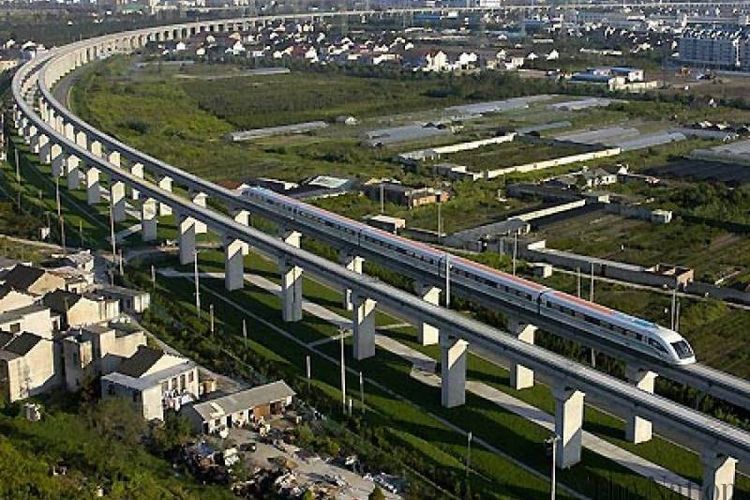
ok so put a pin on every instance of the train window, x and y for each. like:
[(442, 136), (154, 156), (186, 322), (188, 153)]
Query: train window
[(683, 349), (656, 345)]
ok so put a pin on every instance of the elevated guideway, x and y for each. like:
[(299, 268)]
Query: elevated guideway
[(710, 381), (83, 154)]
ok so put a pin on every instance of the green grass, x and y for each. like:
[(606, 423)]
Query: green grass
[(393, 372)]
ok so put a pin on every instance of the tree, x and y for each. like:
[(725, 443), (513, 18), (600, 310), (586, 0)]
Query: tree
[(377, 494)]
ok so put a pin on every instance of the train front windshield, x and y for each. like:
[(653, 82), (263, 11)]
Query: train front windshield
[(683, 349)]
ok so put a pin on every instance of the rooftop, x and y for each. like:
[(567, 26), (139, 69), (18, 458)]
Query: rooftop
[(243, 400)]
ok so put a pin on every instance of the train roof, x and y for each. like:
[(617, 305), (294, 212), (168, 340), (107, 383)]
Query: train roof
[(502, 275)]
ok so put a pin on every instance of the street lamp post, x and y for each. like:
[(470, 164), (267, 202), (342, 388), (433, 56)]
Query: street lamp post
[(552, 441), (197, 285)]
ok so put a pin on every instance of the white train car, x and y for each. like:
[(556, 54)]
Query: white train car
[(635, 333)]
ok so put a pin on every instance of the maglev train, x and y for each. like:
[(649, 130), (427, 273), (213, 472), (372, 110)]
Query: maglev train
[(634, 333)]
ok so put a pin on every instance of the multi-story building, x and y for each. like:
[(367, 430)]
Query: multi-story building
[(153, 381), (27, 365), (711, 48)]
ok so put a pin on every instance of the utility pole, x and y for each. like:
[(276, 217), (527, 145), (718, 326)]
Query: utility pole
[(211, 316), (244, 333), (153, 276), (673, 312), (120, 261), (578, 282), (308, 370), (382, 201), (447, 280), (18, 166), (591, 289), (80, 233), (112, 234), (343, 372), (553, 442), (515, 251), (59, 214), (362, 391), (469, 437), (196, 278)]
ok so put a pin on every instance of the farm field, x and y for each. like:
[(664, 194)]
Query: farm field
[(511, 153)]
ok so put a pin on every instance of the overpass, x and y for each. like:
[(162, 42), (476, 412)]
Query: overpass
[(82, 153)]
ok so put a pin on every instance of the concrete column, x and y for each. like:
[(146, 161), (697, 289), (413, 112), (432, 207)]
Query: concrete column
[(200, 200), (136, 169), (114, 158), (187, 239), (428, 334), (117, 200), (165, 183), (29, 132), (243, 217), (718, 476), (637, 429), (234, 267), (291, 291), (69, 132), (45, 150), (453, 371), (73, 171), (521, 377), (96, 148), (148, 219), (352, 263), (568, 425), (93, 192), (363, 327), (82, 140), (58, 160)]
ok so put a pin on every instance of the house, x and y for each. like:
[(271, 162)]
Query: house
[(11, 299), (96, 350), (33, 280), (78, 310), (404, 195), (239, 408), (426, 60), (27, 365), (598, 177), (82, 260), (130, 300), (31, 318), (390, 224), (153, 381)]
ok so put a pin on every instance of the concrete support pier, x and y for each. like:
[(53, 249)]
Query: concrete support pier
[(521, 377), (453, 370), (58, 160), (428, 334), (186, 239), (291, 282), (363, 327), (165, 183), (568, 425), (291, 291), (73, 171), (148, 219), (117, 200), (93, 189), (114, 158), (96, 148), (353, 263), (234, 265), (200, 200), (136, 169), (243, 217), (718, 476), (637, 429), (45, 151), (82, 140)]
